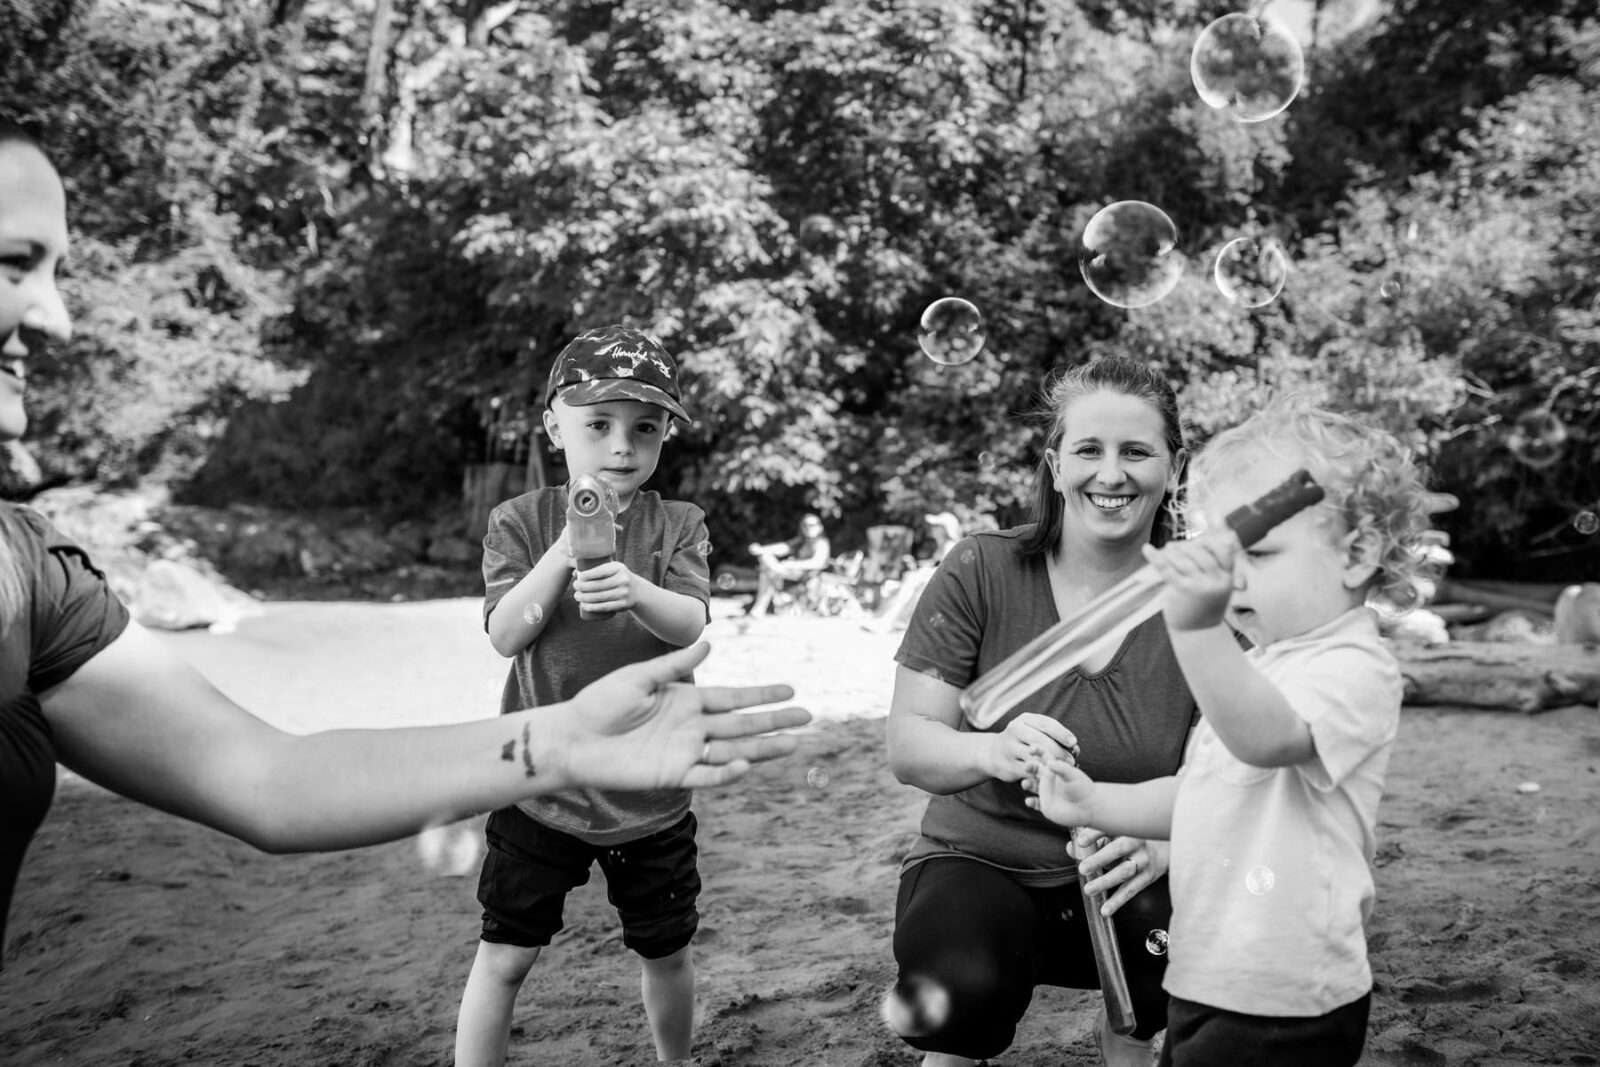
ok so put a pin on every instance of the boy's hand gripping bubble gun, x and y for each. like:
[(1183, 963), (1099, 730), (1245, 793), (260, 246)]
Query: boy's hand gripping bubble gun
[(591, 527), (1106, 619)]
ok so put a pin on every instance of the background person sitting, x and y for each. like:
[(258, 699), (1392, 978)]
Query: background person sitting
[(786, 563), (895, 612)]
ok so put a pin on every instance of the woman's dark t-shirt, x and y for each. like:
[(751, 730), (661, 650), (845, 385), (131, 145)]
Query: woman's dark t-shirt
[(1131, 719), (66, 615)]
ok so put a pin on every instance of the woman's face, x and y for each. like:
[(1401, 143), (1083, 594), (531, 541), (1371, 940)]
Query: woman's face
[(1112, 468), (33, 242)]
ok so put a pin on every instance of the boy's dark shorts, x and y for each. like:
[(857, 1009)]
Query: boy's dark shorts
[(529, 869)]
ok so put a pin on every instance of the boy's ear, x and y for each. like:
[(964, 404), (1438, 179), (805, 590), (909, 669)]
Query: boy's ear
[(552, 428), (1362, 558)]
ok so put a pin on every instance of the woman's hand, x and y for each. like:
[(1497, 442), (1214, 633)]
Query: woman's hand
[(1016, 753), (640, 728), (1118, 867)]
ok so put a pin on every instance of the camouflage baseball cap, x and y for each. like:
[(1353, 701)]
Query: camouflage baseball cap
[(616, 363)]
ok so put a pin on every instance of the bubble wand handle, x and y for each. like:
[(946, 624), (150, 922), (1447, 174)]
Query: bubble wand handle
[(1108, 961), (1108, 617)]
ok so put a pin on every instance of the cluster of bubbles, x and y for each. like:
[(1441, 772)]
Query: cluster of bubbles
[(1129, 259), (1250, 67)]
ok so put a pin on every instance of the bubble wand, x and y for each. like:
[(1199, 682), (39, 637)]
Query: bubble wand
[(1106, 619)]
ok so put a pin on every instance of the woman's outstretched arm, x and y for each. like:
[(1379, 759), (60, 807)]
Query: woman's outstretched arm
[(141, 722)]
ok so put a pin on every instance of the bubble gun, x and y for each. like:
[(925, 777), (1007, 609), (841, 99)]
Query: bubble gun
[(591, 527)]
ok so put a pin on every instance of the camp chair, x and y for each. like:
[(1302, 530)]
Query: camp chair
[(887, 556)]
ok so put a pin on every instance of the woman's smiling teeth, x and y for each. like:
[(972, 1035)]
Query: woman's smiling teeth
[(1109, 503)]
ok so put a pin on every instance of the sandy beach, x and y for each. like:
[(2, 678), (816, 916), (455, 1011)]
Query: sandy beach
[(139, 939)]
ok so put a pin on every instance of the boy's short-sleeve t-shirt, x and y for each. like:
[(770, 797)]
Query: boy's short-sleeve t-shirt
[(1271, 866), (67, 614), (663, 541), (1131, 719)]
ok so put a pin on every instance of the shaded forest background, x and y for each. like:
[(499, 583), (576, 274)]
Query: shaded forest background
[(319, 244)]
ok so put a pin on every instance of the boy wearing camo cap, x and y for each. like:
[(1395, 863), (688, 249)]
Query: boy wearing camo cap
[(611, 401)]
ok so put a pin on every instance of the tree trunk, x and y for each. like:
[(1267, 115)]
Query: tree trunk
[(1501, 677)]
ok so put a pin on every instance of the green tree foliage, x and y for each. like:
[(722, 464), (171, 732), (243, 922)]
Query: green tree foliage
[(778, 190)]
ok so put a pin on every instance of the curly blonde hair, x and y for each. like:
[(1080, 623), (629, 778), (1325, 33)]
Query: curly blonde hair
[(1368, 476)]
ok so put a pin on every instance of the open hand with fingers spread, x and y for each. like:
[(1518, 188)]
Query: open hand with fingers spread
[(641, 728)]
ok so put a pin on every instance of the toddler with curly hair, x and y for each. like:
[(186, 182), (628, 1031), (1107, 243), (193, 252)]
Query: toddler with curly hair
[(1272, 817)]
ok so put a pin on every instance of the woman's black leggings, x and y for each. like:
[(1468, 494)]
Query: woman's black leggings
[(988, 941)]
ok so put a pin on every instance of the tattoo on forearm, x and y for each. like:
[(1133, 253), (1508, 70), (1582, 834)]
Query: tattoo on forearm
[(508, 751)]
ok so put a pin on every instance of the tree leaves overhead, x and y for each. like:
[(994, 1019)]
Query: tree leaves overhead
[(778, 190)]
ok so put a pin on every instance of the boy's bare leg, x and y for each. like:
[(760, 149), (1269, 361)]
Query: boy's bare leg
[(667, 986), (483, 1029)]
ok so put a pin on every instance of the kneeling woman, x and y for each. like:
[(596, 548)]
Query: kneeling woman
[(989, 905)]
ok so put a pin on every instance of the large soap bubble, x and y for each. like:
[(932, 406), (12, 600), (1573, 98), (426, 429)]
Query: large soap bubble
[(1248, 66), (1251, 271), (1129, 255), (952, 331)]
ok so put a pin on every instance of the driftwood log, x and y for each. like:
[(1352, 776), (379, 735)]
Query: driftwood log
[(1505, 677)]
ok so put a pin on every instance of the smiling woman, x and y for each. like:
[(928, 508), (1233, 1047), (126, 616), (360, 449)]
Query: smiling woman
[(33, 245), (82, 684), (989, 903)]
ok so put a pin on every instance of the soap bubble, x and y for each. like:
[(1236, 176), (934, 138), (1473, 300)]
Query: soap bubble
[(986, 461), (1537, 439), (533, 614), (1260, 880), (952, 331), (1586, 523), (1251, 271), (915, 1007), (451, 849), (1392, 288), (1129, 255), (1156, 943), (817, 778), (1248, 66), (821, 236)]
